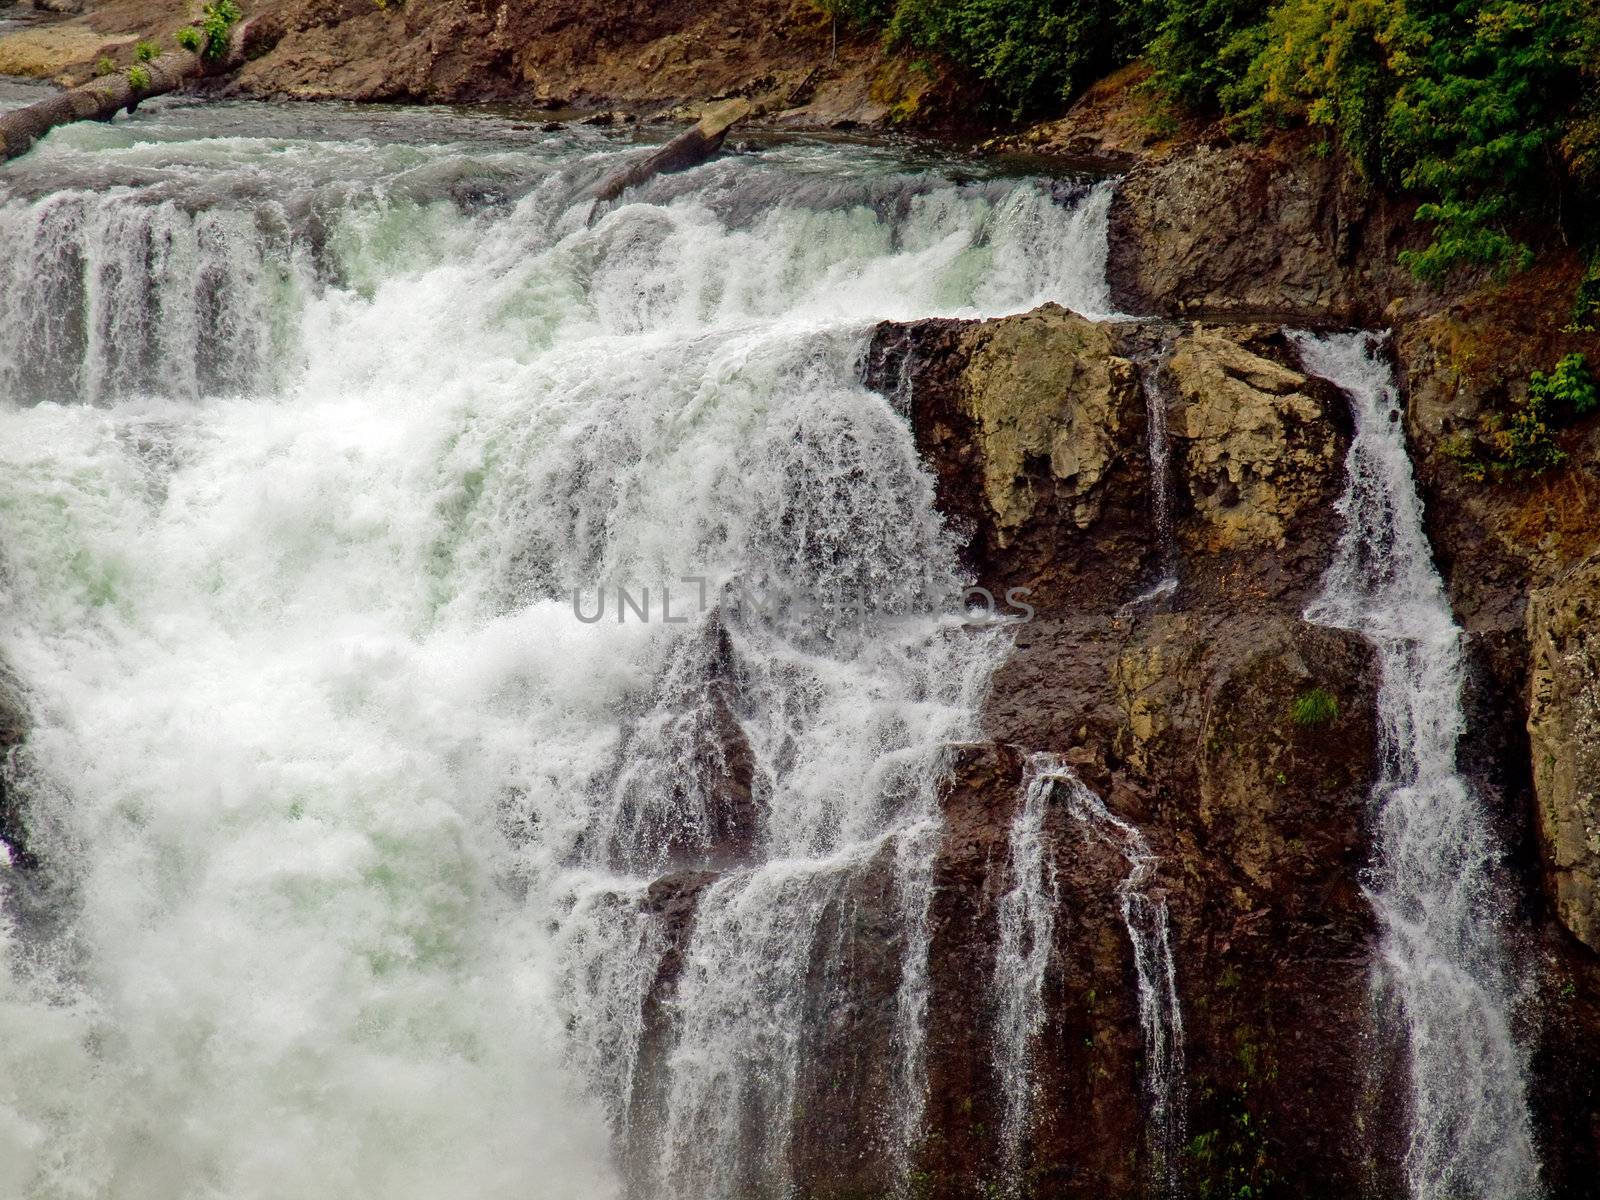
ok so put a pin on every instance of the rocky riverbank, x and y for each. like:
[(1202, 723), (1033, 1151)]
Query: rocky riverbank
[(637, 59)]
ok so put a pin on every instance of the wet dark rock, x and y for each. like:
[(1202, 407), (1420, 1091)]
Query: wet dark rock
[(1255, 229), (688, 149), (13, 731), (687, 797), (1086, 1137)]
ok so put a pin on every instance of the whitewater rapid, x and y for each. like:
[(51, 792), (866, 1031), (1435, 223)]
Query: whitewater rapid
[(308, 433)]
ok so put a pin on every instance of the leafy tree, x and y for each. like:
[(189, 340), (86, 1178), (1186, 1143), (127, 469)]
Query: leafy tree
[(1032, 54), (1200, 48), (1476, 121), (1466, 103)]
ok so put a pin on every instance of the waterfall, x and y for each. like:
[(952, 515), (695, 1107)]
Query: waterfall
[(1441, 966), (1027, 917), (386, 865)]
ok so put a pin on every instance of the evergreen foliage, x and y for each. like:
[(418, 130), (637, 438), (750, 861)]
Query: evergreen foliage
[(1488, 111)]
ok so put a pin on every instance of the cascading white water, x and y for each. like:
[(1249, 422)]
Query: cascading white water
[(1442, 965), (359, 820), (1027, 918)]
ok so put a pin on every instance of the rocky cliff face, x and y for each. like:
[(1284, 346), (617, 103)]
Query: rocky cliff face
[(1564, 737), (1179, 713), (1206, 227)]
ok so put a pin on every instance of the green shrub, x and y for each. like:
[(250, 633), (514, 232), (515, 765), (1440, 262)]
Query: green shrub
[(1316, 707), (191, 39), (147, 51), (1462, 449), (104, 66), (1525, 441), (1586, 302), (1029, 55), (139, 79), (217, 20), (1318, 62), (1569, 389), (1555, 399)]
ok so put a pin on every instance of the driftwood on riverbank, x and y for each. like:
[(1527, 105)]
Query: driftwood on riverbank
[(103, 98), (98, 100), (686, 150)]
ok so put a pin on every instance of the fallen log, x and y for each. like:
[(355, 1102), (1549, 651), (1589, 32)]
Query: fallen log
[(98, 100), (688, 149), (103, 98)]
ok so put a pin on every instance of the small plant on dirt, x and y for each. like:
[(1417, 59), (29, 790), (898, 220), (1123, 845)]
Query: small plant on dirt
[(191, 39), (1316, 707), (147, 51), (1555, 399), (139, 79), (1586, 304), (1522, 441), (104, 66), (217, 20)]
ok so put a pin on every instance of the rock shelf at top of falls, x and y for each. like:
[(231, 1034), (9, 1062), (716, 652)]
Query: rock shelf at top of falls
[(313, 422)]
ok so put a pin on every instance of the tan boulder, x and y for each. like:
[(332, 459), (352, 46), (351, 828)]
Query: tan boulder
[(1256, 446), (1046, 387)]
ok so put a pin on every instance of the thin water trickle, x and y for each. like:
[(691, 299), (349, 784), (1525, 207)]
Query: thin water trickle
[(1156, 389), (1144, 916), (1158, 399), (1441, 969), (1027, 920)]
